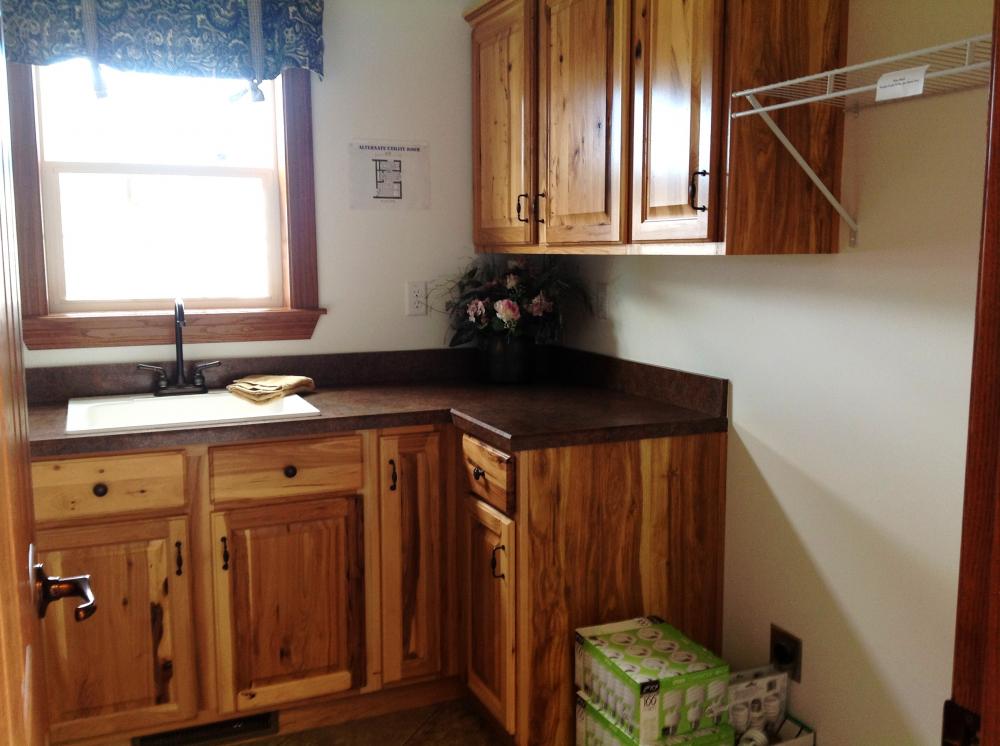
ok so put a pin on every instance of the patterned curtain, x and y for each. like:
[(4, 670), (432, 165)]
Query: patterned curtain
[(249, 39)]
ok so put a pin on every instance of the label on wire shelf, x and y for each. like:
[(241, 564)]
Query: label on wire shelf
[(901, 83)]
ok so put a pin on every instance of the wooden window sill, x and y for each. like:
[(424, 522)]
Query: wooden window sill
[(123, 329)]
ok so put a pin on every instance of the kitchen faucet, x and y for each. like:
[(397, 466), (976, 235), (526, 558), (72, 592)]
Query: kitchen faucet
[(180, 384)]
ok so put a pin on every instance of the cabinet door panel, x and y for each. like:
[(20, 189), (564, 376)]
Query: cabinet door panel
[(582, 58), (290, 601), (503, 124), (491, 599), (411, 568), (131, 664), (674, 82)]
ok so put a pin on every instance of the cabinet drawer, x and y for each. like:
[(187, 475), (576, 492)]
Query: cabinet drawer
[(292, 469), (490, 473), (87, 487)]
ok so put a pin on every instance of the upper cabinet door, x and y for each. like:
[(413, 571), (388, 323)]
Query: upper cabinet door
[(503, 130), (582, 67), (673, 165)]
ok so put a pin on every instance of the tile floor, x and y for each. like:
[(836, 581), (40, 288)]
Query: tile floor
[(440, 725)]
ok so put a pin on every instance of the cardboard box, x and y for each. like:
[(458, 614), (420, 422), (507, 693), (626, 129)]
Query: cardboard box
[(650, 679), (593, 728), (758, 698)]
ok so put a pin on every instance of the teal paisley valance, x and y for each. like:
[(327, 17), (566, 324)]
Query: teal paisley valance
[(247, 39)]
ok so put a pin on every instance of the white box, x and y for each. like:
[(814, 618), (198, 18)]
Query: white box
[(758, 698)]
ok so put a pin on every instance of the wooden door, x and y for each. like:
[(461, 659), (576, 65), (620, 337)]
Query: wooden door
[(289, 602), (583, 53), (675, 47), (22, 696), (131, 665), (491, 609), (411, 502), (972, 715), (503, 123)]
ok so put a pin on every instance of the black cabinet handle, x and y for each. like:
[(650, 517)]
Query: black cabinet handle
[(291, 471), (225, 553), (539, 218), (518, 208), (693, 191), (100, 489), (180, 559), (493, 561), (477, 473), (393, 476)]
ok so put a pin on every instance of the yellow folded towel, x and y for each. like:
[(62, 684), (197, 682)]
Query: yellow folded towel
[(264, 388)]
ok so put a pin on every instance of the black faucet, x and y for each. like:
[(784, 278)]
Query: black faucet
[(180, 384)]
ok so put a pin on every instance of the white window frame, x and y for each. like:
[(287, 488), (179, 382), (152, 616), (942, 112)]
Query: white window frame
[(49, 172)]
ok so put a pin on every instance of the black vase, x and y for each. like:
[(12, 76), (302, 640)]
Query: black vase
[(508, 359)]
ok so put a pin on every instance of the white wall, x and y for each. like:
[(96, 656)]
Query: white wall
[(395, 69), (850, 379)]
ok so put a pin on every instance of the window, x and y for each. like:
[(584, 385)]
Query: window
[(167, 187)]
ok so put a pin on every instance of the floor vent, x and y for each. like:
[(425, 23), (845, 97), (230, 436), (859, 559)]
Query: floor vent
[(227, 731)]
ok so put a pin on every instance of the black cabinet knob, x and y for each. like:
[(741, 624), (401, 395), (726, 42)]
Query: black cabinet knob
[(100, 489), (477, 473), (291, 471)]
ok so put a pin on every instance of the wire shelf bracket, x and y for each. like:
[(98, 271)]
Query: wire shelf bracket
[(956, 66)]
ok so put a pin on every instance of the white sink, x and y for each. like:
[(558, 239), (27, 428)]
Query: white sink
[(148, 412)]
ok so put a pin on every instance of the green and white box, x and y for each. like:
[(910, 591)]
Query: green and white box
[(593, 728), (651, 679)]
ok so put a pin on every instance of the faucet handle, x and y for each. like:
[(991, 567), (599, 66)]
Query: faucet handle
[(161, 374), (198, 378)]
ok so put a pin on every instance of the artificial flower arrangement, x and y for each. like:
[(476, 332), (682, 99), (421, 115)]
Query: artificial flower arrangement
[(500, 300)]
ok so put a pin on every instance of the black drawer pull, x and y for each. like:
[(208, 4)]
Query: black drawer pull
[(180, 559), (393, 476), (225, 553), (100, 489), (291, 471), (477, 473)]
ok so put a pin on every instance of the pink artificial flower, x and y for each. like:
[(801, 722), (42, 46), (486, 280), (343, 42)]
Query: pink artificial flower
[(540, 305), (511, 280), (476, 311), (508, 312)]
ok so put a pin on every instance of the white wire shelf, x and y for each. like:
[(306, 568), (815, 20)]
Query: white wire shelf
[(956, 66)]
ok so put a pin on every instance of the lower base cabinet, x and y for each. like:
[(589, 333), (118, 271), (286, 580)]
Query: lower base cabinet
[(491, 611), (130, 665), (289, 602)]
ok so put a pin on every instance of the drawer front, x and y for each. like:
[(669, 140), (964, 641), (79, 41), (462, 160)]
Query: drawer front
[(490, 473), (89, 487), (302, 468)]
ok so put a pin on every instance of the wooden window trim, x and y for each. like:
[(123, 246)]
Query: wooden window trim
[(296, 319)]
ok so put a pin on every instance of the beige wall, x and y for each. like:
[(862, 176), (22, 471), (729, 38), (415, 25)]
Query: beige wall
[(395, 69), (850, 394)]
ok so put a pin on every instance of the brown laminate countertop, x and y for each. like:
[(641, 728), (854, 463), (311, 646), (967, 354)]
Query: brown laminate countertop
[(512, 418)]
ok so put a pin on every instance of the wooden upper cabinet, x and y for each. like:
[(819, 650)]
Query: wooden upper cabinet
[(771, 205), (131, 665), (490, 611), (411, 504), (675, 91), (583, 53), (289, 602), (503, 130)]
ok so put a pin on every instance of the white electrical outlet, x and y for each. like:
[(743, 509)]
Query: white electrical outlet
[(601, 300), (415, 300)]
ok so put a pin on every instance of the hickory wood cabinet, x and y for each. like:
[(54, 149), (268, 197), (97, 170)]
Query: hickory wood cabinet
[(552, 163), (602, 126), (330, 577)]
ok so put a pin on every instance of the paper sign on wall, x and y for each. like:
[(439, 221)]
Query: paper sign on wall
[(389, 175), (901, 83)]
